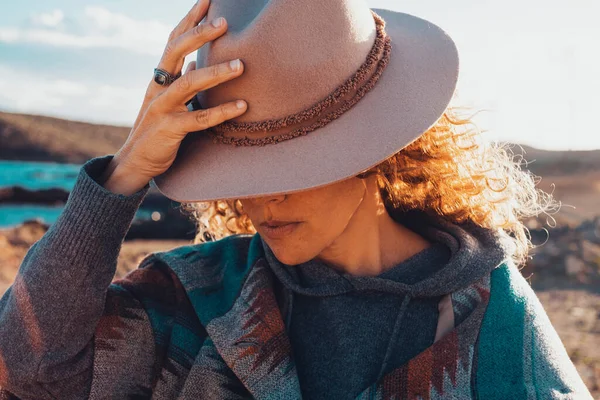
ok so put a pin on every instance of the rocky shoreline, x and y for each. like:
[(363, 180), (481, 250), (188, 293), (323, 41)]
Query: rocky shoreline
[(21, 195), (566, 256), (168, 221)]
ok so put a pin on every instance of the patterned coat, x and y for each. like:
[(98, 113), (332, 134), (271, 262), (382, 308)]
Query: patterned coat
[(202, 322), (218, 333)]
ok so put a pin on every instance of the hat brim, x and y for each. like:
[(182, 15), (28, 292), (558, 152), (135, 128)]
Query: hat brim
[(411, 95)]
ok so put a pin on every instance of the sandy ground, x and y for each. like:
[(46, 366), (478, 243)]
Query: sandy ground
[(574, 313), (134, 251)]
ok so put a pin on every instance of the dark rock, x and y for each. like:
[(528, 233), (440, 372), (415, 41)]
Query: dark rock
[(565, 256), (27, 233), (56, 196), (173, 224), (20, 195)]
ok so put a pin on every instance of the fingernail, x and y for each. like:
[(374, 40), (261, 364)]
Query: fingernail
[(235, 64), (240, 104), (218, 22)]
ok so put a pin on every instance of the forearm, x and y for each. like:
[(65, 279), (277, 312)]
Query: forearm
[(49, 314)]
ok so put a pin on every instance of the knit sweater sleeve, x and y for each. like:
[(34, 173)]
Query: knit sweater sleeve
[(48, 317)]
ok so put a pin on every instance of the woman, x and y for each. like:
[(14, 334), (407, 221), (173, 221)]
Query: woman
[(376, 242)]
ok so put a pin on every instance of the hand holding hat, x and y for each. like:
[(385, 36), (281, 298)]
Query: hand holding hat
[(164, 119)]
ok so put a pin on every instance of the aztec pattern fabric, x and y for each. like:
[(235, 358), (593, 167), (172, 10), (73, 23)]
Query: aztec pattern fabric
[(202, 322), (243, 351), (444, 370)]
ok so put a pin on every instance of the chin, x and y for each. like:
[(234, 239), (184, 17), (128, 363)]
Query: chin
[(287, 257), (291, 250), (283, 256)]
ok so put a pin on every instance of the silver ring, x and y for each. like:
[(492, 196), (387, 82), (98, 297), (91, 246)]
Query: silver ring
[(164, 78)]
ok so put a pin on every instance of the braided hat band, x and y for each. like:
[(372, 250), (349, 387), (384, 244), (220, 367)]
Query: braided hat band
[(320, 114)]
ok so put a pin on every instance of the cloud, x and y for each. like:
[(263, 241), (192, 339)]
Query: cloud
[(24, 90), (51, 20), (32, 93), (96, 28)]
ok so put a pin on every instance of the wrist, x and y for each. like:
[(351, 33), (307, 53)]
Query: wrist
[(121, 180)]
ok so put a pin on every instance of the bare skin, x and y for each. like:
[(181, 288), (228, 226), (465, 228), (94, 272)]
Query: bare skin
[(353, 233), (343, 224)]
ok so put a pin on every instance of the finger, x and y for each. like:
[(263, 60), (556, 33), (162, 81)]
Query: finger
[(193, 121), (191, 66), (177, 49), (152, 91), (191, 19), (155, 90), (184, 88)]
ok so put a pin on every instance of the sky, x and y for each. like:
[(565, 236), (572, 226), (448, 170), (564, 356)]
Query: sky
[(530, 67)]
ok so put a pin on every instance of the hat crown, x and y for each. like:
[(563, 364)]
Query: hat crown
[(295, 52), (383, 104)]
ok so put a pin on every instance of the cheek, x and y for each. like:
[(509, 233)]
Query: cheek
[(321, 229), (301, 246), (308, 241), (326, 213), (342, 203)]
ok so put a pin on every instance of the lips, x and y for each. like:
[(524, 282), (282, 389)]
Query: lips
[(274, 231), (274, 223)]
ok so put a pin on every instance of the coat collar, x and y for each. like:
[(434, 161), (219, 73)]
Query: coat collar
[(252, 340), (231, 288)]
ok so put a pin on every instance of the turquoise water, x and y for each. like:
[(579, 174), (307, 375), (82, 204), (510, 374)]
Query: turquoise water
[(14, 214), (36, 176)]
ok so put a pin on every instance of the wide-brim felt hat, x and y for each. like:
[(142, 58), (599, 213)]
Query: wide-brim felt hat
[(333, 88)]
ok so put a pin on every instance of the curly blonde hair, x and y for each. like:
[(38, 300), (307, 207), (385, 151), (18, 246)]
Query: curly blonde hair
[(447, 170)]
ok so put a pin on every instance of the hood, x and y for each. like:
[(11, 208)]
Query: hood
[(461, 253)]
